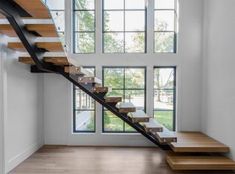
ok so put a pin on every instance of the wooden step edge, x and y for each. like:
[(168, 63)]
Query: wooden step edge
[(126, 107), (26, 60), (152, 126), (165, 136), (113, 99), (89, 80), (100, 89), (139, 116), (74, 70), (202, 162)]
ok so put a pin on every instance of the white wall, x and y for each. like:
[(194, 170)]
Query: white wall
[(23, 111), (2, 166), (219, 83), (58, 99)]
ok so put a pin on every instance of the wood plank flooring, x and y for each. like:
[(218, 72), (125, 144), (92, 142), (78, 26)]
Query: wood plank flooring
[(99, 160)]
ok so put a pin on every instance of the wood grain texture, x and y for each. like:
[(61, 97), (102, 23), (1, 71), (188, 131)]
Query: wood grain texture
[(26, 60), (6, 29), (56, 60), (99, 160), (197, 142), (199, 162), (44, 30), (113, 99), (35, 8)]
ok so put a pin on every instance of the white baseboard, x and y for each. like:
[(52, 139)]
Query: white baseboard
[(16, 160)]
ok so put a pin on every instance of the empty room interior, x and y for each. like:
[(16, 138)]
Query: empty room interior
[(117, 86)]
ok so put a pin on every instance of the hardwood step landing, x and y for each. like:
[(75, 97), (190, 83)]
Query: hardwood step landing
[(199, 162)]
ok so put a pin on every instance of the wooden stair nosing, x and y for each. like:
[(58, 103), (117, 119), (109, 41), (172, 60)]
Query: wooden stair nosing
[(100, 89), (26, 60), (139, 116), (126, 107), (194, 162), (44, 30), (87, 80), (166, 136), (7, 29), (153, 126), (113, 99)]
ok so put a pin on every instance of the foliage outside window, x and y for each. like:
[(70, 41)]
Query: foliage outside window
[(84, 110), (165, 26), (165, 96), (129, 83), (124, 26), (84, 26), (57, 9)]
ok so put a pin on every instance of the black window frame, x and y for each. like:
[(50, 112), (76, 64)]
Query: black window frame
[(76, 32), (124, 30), (75, 110), (145, 95), (174, 93), (175, 27)]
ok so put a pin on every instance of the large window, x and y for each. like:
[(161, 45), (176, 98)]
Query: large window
[(165, 96), (84, 110), (124, 26), (165, 26), (84, 26), (129, 83), (57, 9)]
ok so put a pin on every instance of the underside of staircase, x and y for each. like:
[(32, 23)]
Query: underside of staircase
[(187, 150)]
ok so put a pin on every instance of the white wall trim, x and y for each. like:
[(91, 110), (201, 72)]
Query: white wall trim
[(19, 158)]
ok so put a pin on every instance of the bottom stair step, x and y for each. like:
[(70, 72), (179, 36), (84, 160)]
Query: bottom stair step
[(200, 162)]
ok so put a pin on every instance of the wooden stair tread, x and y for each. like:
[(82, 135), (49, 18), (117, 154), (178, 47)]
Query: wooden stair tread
[(113, 99), (197, 142), (56, 60), (87, 80), (26, 60), (166, 136), (125, 107), (44, 30), (153, 126), (7, 29), (100, 89), (49, 46), (35, 8), (199, 162), (139, 116)]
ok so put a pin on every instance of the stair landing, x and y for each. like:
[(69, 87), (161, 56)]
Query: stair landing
[(197, 142)]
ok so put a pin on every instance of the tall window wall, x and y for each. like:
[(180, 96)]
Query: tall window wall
[(84, 110), (165, 96), (129, 83), (57, 9), (84, 26), (165, 26), (124, 26)]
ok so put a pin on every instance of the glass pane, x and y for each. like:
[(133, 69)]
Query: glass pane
[(83, 101), (164, 78), (164, 20), (165, 118), (55, 4), (164, 4), (113, 77), (164, 99), (113, 4), (112, 122), (84, 5), (84, 21), (137, 97), (135, 42), (164, 42), (129, 128), (117, 93), (134, 20), (85, 43), (85, 121), (58, 17), (113, 21), (113, 42), (136, 4), (135, 78)]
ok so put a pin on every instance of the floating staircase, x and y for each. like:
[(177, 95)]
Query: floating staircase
[(189, 150)]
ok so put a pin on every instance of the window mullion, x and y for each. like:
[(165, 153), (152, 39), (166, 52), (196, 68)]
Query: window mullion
[(150, 26)]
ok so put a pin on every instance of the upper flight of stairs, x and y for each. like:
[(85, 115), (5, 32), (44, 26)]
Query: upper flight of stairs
[(189, 150)]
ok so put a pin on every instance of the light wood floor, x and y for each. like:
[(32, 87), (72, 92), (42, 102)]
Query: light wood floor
[(97, 160)]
